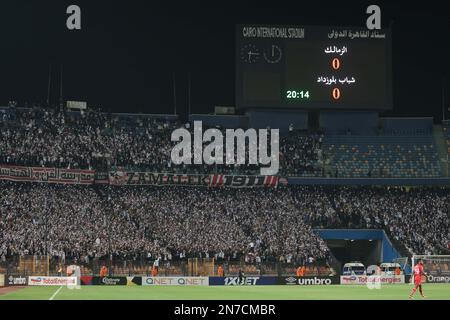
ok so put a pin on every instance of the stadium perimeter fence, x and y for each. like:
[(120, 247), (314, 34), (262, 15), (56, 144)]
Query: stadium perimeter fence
[(192, 267)]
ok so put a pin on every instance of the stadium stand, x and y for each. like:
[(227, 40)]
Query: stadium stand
[(250, 226), (84, 140), (382, 156), (301, 154), (446, 129), (253, 225), (85, 222), (43, 137), (142, 142)]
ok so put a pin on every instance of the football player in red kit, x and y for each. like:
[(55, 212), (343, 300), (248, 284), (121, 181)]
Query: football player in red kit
[(418, 273)]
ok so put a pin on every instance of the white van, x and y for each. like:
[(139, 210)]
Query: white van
[(354, 269), (389, 268)]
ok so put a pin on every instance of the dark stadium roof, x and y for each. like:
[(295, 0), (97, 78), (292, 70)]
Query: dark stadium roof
[(125, 56)]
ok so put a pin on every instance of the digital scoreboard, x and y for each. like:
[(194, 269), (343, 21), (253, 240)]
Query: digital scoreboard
[(313, 67)]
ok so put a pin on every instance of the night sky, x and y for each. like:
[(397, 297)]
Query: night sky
[(127, 52)]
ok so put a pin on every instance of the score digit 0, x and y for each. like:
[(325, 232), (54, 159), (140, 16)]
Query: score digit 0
[(336, 93), (335, 63)]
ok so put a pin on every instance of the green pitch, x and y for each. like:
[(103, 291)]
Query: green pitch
[(395, 292)]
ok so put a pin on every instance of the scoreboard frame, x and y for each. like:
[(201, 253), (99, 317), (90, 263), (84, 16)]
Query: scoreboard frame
[(273, 58)]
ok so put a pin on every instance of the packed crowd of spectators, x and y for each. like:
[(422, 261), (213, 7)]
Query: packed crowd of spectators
[(259, 224), (54, 220), (131, 222), (94, 140), (256, 224), (301, 154), (418, 218), (50, 138)]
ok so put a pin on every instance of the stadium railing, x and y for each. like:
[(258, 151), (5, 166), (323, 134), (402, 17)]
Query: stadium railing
[(142, 267)]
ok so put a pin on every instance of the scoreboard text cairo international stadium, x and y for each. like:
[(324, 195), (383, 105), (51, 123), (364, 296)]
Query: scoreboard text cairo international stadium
[(313, 67)]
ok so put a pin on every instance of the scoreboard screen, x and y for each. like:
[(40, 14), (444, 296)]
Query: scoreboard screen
[(313, 67)]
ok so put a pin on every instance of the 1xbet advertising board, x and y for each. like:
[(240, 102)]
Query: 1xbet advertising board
[(249, 281)]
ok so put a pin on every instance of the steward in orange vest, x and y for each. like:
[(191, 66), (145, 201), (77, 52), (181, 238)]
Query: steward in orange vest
[(220, 272), (300, 271), (103, 271)]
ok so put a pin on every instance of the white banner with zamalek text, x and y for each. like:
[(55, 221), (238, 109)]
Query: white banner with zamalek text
[(121, 177)]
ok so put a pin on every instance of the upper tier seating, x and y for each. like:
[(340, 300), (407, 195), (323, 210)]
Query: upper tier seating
[(382, 156)]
